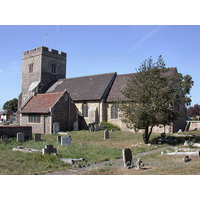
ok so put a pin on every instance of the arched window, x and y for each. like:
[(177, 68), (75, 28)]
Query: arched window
[(85, 110), (114, 112)]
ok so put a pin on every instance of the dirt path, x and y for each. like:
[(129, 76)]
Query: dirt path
[(76, 171)]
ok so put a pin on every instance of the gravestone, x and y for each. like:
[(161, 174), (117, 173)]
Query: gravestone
[(56, 127), (75, 126), (4, 138), (20, 137), (37, 137), (127, 157), (186, 158), (138, 163), (49, 149), (106, 134), (101, 126), (91, 129), (96, 127), (65, 141), (59, 139)]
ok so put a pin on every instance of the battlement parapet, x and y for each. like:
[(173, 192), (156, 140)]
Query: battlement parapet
[(43, 50)]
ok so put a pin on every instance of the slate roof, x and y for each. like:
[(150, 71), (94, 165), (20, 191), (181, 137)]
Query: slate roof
[(94, 87), (41, 103), (118, 85)]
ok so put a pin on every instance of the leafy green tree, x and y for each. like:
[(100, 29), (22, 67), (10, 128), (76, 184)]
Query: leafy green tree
[(11, 105), (150, 96), (186, 84)]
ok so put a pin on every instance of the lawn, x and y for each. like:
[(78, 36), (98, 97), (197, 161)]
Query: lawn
[(88, 145), (96, 150)]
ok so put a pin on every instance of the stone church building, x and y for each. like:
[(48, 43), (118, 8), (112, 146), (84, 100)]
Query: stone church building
[(48, 98)]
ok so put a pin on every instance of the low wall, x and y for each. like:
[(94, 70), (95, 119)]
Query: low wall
[(12, 131)]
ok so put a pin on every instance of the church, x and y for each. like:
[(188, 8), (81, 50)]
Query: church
[(48, 98)]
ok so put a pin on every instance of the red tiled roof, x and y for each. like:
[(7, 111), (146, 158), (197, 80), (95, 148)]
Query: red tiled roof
[(41, 103)]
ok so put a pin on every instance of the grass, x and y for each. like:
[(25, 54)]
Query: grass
[(96, 150)]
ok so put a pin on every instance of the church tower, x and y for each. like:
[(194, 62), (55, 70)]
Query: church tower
[(41, 68)]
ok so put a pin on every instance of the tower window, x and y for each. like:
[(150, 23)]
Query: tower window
[(53, 69), (31, 68), (85, 110), (114, 112)]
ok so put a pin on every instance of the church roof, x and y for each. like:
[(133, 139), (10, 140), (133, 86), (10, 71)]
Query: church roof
[(94, 87), (41, 103), (118, 85)]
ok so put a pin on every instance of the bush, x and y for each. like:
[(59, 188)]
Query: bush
[(109, 126)]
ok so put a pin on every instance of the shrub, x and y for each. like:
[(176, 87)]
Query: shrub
[(109, 126)]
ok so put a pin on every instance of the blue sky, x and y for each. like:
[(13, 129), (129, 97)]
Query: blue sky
[(95, 49)]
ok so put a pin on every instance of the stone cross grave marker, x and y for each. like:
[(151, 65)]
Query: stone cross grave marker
[(56, 127), (65, 141), (49, 149), (75, 126), (106, 134), (37, 137), (127, 157), (4, 138), (20, 137)]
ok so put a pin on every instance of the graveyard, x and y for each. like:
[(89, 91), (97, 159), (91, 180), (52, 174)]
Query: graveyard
[(45, 154)]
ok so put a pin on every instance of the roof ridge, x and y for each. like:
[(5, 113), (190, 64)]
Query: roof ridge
[(89, 75)]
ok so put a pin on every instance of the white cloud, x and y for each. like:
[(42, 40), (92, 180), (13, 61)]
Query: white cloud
[(0, 70)]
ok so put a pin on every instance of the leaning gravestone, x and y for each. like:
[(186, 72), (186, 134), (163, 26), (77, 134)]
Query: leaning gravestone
[(65, 141), (56, 127), (49, 149), (127, 157), (20, 137), (4, 138), (37, 137), (75, 126), (106, 134)]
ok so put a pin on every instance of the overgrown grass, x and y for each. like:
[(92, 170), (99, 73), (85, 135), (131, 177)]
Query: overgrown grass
[(88, 145)]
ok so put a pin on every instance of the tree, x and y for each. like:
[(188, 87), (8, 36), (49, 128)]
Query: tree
[(11, 105), (186, 84), (150, 96), (193, 110)]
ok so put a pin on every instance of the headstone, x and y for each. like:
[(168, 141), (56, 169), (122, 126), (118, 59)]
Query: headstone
[(186, 158), (101, 126), (49, 149), (20, 137), (138, 163), (65, 141), (56, 127), (37, 137), (91, 129), (127, 157), (4, 138), (106, 134), (59, 139), (75, 126), (96, 127)]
